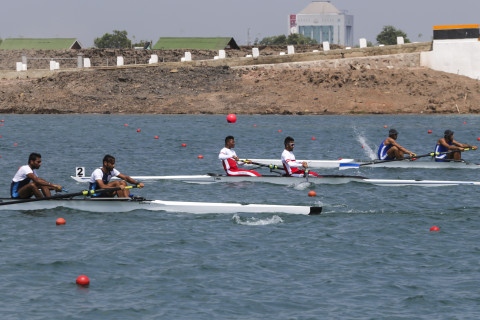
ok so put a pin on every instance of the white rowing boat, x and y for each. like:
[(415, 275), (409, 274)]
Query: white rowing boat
[(350, 163), (127, 204), (291, 181)]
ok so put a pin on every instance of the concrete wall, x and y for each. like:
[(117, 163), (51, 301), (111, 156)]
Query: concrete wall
[(460, 56)]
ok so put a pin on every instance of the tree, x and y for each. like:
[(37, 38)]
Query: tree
[(283, 40), (389, 35), (1, 40), (118, 39)]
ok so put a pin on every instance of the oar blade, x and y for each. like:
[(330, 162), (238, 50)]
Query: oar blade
[(345, 166)]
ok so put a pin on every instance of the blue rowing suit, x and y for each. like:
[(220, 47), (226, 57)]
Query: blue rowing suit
[(20, 179), (441, 148), (382, 151), (105, 177)]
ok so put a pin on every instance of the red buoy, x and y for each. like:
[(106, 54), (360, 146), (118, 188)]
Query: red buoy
[(83, 280), (231, 118), (200, 157), (385, 126), (60, 221), (184, 144), (313, 138), (156, 137), (126, 125), (434, 228), (279, 130), (429, 131), (138, 130), (312, 193)]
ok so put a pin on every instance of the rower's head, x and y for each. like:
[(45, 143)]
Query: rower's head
[(109, 162), (34, 160), (229, 142), (392, 133), (289, 143), (448, 135)]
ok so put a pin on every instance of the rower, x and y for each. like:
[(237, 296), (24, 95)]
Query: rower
[(100, 179), (26, 182), (390, 150), (290, 165), (447, 144), (230, 161)]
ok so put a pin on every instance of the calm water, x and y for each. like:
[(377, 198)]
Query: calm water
[(370, 255)]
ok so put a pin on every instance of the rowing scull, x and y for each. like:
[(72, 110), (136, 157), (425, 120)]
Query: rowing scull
[(350, 163), (127, 204), (289, 181)]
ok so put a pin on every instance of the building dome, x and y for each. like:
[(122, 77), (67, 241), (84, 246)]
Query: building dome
[(320, 7)]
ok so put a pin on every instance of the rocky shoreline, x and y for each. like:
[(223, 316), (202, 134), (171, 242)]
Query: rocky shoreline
[(363, 86)]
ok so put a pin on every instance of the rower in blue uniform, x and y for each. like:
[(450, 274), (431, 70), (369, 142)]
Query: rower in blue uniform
[(26, 182), (389, 149), (100, 179), (448, 144)]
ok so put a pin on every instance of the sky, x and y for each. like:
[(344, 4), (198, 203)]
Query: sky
[(244, 20)]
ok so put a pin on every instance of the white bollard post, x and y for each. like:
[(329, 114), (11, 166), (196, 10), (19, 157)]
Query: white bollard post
[(19, 66), (188, 56), (255, 52), (282, 53), (153, 59), (52, 65), (363, 43), (119, 61), (400, 40), (221, 54), (326, 46), (216, 58), (57, 65), (290, 49), (86, 63)]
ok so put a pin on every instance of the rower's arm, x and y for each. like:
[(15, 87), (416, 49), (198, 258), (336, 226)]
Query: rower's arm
[(130, 180), (41, 182)]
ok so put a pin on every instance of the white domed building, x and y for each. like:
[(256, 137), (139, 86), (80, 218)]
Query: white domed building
[(322, 21)]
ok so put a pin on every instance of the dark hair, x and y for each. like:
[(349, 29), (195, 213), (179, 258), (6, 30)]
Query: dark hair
[(229, 138), (108, 158), (447, 133), (288, 140), (392, 132), (34, 156)]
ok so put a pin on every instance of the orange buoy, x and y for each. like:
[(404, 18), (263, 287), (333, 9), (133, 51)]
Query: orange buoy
[(156, 137), (15, 144), (313, 138), (254, 125), (429, 131), (126, 125), (200, 157), (279, 130), (60, 221), (385, 126), (312, 193), (83, 280), (477, 138), (184, 144), (434, 228), (138, 130), (231, 118)]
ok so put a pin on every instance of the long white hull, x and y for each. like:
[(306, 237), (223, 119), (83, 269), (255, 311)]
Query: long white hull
[(405, 164), (126, 205), (289, 181)]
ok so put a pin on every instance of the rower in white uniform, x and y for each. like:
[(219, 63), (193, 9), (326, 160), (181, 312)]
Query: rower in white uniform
[(230, 161), (292, 167)]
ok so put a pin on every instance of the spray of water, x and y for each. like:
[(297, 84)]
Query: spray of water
[(256, 222), (360, 136)]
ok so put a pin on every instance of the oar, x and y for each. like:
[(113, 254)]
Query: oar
[(66, 195), (343, 166)]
